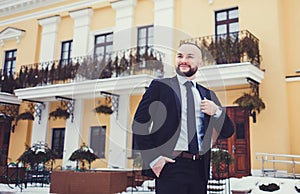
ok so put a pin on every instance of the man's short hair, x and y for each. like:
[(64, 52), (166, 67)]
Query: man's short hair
[(190, 43)]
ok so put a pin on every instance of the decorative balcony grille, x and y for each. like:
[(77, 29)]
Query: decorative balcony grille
[(235, 47), (138, 60)]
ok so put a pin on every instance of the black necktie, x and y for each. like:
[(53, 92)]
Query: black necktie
[(191, 119)]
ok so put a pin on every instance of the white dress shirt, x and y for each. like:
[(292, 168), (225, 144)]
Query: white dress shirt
[(182, 143)]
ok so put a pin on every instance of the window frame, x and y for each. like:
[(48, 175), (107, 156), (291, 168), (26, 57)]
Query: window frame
[(147, 37), (227, 21), (61, 142), (11, 61), (102, 140), (104, 44), (65, 61)]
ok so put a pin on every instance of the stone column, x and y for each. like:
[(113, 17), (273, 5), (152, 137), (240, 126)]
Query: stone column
[(119, 124), (40, 123), (49, 35), (81, 30), (73, 134), (164, 32)]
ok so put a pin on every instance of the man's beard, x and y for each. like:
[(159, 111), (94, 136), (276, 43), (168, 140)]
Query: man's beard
[(189, 73)]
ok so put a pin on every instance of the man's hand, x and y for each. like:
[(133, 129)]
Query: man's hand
[(208, 107), (158, 166)]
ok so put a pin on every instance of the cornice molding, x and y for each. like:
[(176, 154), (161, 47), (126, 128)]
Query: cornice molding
[(123, 4), (8, 7), (52, 11)]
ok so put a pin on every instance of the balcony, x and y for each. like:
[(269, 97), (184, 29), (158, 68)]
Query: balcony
[(230, 48), (232, 58), (134, 61)]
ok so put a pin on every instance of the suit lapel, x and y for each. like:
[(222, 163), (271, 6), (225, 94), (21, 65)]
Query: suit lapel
[(177, 94), (203, 93)]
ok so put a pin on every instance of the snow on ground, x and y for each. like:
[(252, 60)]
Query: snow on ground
[(287, 186), (31, 189)]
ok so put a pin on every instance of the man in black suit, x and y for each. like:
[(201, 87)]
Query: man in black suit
[(173, 127)]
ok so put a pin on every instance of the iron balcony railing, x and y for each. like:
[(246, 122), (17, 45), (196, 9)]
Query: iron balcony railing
[(138, 60), (236, 47)]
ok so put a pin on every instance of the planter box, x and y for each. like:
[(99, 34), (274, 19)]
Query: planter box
[(240, 191), (70, 182)]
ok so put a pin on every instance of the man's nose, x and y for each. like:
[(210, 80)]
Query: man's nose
[(184, 60)]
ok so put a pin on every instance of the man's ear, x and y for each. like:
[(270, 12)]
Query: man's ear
[(200, 64)]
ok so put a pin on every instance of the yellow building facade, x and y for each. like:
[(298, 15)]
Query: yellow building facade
[(41, 35)]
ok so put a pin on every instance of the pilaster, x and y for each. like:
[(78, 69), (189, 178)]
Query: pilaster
[(49, 36), (119, 125), (40, 123), (73, 134), (124, 24), (82, 19), (164, 32)]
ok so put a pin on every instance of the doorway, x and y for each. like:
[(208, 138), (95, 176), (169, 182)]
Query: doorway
[(238, 145)]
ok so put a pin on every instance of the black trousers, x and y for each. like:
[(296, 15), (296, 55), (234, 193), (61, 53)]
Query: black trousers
[(185, 176)]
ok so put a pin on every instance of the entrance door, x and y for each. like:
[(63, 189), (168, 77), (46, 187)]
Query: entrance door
[(4, 141), (239, 144)]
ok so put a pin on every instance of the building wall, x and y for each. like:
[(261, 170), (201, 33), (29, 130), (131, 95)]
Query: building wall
[(144, 13), (65, 33), (294, 106), (274, 22), (103, 18), (290, 17), (95, 119), (290, 30)]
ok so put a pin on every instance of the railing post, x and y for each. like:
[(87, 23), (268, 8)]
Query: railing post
[(294, 175), (274, 166), (262, 165)]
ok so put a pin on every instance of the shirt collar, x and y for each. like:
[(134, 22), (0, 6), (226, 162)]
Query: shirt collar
[(183, 79)]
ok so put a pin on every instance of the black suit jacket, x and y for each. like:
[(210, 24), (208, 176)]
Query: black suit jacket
[(156, 124)]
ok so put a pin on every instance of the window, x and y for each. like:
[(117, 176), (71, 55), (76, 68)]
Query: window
[(227, 21), (144, 40), (58, 138), (97, 140), (103, 45), (66, 51), (145, 36), (10, 62), (227, 36)]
